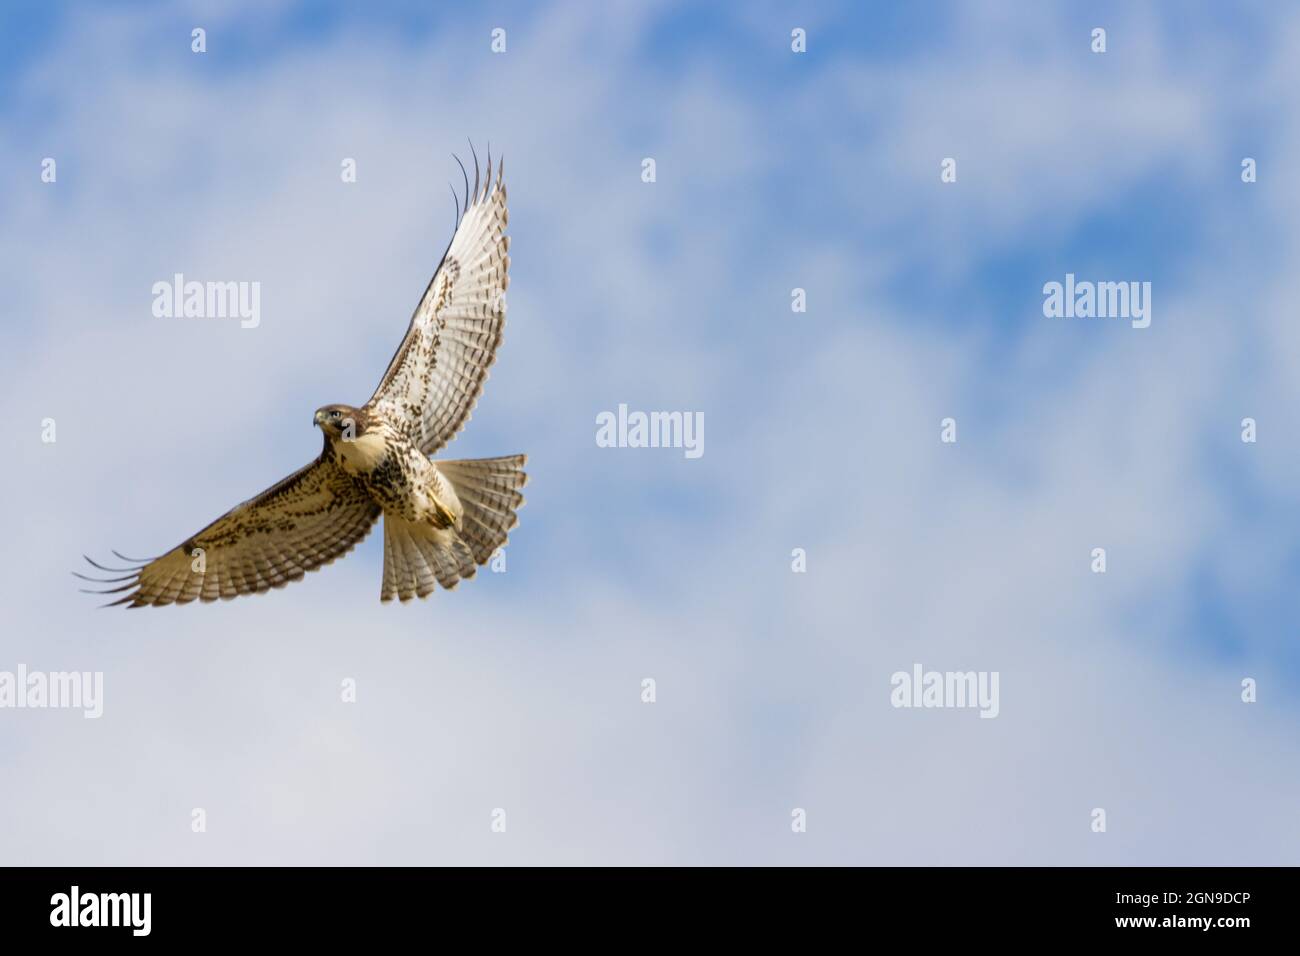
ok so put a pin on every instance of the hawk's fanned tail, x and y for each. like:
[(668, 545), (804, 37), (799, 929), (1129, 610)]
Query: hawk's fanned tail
[(417, 554), (488, 489)]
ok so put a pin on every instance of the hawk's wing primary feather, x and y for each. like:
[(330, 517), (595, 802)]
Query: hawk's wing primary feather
[(438, 371), (310, 518)]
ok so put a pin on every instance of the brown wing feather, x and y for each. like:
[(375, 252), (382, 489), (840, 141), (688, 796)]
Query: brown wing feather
[(437, 374), (307, 520)]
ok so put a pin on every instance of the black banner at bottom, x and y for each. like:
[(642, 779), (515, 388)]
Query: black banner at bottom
[(338, 905)]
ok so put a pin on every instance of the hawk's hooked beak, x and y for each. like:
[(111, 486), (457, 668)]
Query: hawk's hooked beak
[(318, 418)]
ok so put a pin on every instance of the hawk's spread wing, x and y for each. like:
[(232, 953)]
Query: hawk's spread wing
[(435, 378), (310, 518)]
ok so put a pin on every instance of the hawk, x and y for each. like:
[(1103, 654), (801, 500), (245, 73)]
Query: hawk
[(441, 518)]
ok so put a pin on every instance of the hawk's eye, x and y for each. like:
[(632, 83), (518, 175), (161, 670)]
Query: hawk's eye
[(334, 414)]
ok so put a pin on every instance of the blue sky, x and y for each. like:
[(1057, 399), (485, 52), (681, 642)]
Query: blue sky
[(775, 170)]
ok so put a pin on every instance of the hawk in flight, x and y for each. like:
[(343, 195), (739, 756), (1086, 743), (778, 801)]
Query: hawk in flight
[(441, 519)]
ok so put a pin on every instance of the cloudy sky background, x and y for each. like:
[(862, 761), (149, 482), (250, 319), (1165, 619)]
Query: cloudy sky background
[(522, 690)]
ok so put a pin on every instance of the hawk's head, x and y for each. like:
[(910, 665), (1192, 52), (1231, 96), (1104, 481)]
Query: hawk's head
[(340, 422)]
